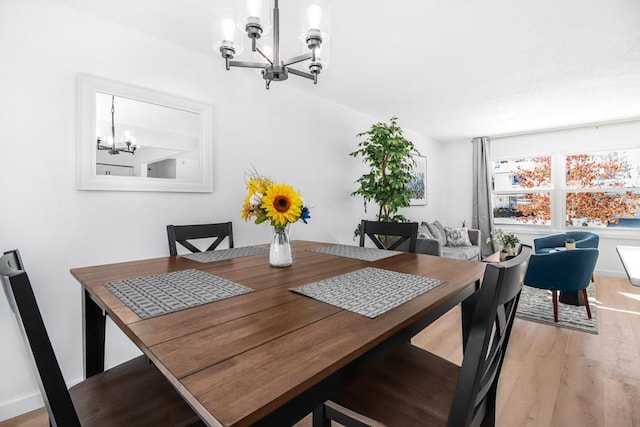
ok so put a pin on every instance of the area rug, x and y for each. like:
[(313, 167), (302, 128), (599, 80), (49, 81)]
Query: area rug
[(536, 305)]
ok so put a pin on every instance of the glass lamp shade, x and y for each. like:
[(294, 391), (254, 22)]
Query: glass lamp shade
[(316, 17), (255, 12), (323, 54), (225, 31)]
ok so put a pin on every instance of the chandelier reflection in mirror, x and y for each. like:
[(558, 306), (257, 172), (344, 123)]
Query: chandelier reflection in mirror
[(253, 17), (128, 143)]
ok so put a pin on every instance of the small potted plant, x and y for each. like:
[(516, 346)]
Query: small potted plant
[(570, 244), (507, 241)]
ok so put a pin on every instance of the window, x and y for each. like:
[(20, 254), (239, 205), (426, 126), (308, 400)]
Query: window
[(598, 189), (603, 189), (522, 190)]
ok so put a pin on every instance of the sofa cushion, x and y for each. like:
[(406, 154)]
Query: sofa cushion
[(437, 231), (423, 232), (457, 236), (461, 252)]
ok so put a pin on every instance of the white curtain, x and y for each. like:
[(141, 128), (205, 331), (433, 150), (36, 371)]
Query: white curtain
[(482, 218)]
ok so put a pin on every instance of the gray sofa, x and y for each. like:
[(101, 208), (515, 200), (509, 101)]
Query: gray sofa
[(432, 240)]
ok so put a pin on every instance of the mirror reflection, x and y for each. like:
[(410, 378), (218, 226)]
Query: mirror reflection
[(141, 139), (132, 138)]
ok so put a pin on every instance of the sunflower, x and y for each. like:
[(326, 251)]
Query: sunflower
[(246, 211), (283, 204)]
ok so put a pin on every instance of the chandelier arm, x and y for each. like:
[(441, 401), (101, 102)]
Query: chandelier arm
[(113, 121), (276, 33), (263, 55), (301, 73), (297, 59), (246, 64), (113, 150)]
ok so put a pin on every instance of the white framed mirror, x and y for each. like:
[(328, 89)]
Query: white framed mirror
[(132, 138)]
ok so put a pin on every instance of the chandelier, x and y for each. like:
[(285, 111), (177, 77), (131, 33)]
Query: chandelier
[(252, 17), (128, 142)]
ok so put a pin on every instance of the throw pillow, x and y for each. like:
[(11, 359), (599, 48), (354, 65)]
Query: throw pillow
[(437, 231), (423, 232), (457, 236)]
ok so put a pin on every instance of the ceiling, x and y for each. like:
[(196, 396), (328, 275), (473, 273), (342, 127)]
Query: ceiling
[(449, 69)]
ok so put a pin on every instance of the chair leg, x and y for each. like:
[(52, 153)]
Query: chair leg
[(586, 303), (318, 418), (555, 305)]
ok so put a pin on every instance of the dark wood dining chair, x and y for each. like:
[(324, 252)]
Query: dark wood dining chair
[(134, 393), (406, 231), (183, 233), (413, 387)]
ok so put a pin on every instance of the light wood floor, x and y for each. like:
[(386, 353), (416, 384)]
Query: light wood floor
[(551, 376)]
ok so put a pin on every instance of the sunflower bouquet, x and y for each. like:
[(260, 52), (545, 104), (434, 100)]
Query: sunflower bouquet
[(267, 200)]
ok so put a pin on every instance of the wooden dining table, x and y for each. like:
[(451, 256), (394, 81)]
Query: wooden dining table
[(267, 357)]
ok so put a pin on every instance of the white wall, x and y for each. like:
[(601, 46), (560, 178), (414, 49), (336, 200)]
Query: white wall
[(285, 133), (455, 183), (458, 180)]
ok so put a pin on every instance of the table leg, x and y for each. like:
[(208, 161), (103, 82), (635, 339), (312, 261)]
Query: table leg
[(467, 307), (93, 335)]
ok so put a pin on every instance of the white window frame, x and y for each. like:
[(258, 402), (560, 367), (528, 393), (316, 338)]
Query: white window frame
[(558, 192), (526, 190), (566, 190)]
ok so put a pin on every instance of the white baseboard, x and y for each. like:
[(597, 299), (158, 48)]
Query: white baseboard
[(20, 406), (609, 273)]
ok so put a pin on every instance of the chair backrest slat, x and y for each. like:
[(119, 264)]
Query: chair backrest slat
[(402, 230), (492, 318), (183, 233), (19, 292)]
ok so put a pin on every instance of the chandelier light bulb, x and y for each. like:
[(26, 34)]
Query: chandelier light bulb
[(254, 7), (314, 16), (228, 28)]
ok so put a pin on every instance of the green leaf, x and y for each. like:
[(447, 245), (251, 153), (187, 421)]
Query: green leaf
[(388, 154)]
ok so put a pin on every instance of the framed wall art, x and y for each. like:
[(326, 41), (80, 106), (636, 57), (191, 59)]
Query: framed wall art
[(419, 180)]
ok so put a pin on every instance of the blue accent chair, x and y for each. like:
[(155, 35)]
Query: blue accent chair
[(566, 271), (584, 239)]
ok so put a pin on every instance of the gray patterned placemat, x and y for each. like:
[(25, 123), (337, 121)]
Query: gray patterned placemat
[(369, 291), (364, 254), (152, 296), (211, 256)]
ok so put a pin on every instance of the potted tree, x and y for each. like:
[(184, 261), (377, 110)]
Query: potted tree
[(388, 154)]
